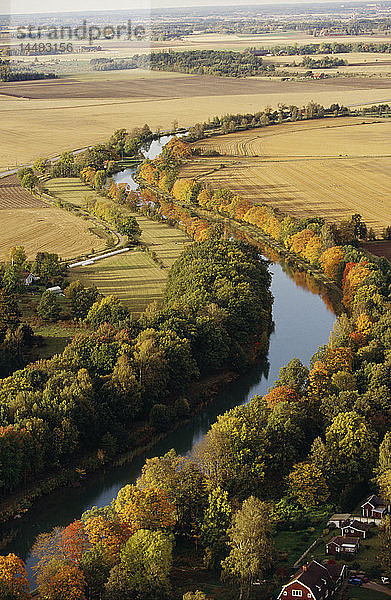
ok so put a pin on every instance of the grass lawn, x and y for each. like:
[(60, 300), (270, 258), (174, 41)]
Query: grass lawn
[(55, 337)]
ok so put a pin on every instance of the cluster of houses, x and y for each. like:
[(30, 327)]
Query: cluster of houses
[(316, 581)]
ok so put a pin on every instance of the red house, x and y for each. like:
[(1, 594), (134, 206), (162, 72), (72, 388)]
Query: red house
[(343, 545), (314, 581), (355, 528), (375, 508)]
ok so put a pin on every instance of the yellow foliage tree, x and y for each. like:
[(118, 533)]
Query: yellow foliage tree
[(307, 484), (13, 577), (144, 509)]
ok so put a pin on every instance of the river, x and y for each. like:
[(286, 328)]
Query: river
[(303, 317)]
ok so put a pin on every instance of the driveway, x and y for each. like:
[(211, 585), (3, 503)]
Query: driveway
[(377, 587)]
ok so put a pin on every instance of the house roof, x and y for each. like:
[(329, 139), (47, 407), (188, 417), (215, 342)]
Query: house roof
[(358, 525), (375, 501), (344, 540), (315, 577)]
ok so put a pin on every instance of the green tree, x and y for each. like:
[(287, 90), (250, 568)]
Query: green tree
[(252, 552), (385, 544), (385, 453), (350, 445), (12, 280), (107, 310), (197, 595), (130, 227), (294, 375), (214, 527), (81, 298), (182, 481), (146, 559), (29, 181), (42, 165), (9, 313), (48, 307)]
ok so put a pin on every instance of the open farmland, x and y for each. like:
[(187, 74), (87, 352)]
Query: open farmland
[(34, 224), (12, 195), (133, 277), (87, 111), (332, 168)]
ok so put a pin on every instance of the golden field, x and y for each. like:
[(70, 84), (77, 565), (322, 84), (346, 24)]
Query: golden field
[(330, 167), (46, 229), (87, 111)]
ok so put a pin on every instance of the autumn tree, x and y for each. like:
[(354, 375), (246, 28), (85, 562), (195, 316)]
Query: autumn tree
[(307, 483), (281, 394), (61, 580), (141, 509), (14, 583), (250, 539), (197, 595), (179, 478), (74, 541)]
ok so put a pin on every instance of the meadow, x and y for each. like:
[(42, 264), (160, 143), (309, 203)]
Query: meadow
[(332, 168)]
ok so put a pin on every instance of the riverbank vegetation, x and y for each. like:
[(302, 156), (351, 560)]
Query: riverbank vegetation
[(314, 443)]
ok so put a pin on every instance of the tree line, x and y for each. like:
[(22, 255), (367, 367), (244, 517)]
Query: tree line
[(221, 63)]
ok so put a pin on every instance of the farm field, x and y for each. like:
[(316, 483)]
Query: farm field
[(166, 241), (38, 226), (70, 189), (332, 168), (133, 277), (366, 63), (87, 111)]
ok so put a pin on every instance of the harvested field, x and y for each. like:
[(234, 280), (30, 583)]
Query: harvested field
[(46, 229), (12, 195), (180, 86), (46, 127), (378, 248), (332, 168)]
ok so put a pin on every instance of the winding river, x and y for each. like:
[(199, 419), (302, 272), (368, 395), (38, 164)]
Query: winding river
[(303, 314)]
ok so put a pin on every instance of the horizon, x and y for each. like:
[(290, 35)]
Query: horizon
[(21, 7)]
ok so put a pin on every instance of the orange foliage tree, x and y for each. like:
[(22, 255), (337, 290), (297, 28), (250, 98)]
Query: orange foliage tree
[(318, 381), (14, 582), (61, 580), (331, 261), (354, 275), (74, 541), (107, 534), (144, 509), (282, 393)]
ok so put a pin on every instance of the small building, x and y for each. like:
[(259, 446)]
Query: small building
[(343, 545), (55, 290), (338, 519), (374, 508), (355, 528), (314, 581), (30, 278)]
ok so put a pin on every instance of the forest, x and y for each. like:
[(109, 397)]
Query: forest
[(220, 63)]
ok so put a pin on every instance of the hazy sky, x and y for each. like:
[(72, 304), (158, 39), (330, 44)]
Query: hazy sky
[(39, 6)]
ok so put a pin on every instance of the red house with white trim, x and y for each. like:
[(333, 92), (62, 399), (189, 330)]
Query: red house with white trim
[(314, 582), (375, 507)]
